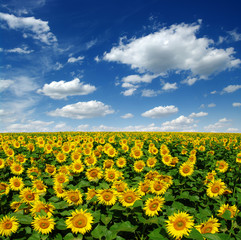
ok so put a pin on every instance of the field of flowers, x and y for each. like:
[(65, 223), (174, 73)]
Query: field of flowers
[(120, 186)]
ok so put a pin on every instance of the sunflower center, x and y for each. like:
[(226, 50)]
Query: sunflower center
[(215, 189), (74, 197), (139, 166), (157, 186), (129, 198), (111, 175), (77, 166), (107, 196), (39, 186), (90, 160), (179, 225), (61, 179), (79, 221), (207, 230), (153, 206), (17, 168), (145, 188), (186, 169), (93, 173), (16, 183), (44, 224), (50, 169), (30, 196), (2, 187), (7, 225)]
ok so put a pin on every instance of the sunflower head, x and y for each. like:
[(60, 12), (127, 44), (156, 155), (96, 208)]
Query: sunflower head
[(8, 225), (216, 188), (43, 224), (73, 197), (210, 226), (153, 206), (128, 197), (186, 169), (107, 196), (16, 183)]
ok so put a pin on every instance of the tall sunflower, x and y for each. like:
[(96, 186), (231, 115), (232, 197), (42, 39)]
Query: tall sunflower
[(128, 197), (28, 195), (4, 188), (43, 224), (179, 224), (16, 183), (233, 209), (37, 206), (77, 166), (111, 175), (139, 166), (222, 166), (216, 188), (210, 226), (8, 225), (80, 221), (186, 169), (17, 168), (94, 174), (153, 206), (73, 197), (107, 196), (158, 187)]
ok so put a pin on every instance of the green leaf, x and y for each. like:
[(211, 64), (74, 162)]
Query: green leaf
[(184, 195), (83, 183), (99, 231), (227, 215), (23, 219), (65, 213), (106, 219), (123, 227), (138, 203), (34, 236), (118, 207), (58, 237), (69, 236), (96, 215), (156, 235), (53, 199), (61, 225), (60, 205), (211, 236), (195, 235), (28, 230)]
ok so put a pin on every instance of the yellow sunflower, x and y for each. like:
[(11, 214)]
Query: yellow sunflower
[(4, 188), (112, 175), (210, 177), (167, 159), (151, 175), (75, 156), (216, 188), (2, 163), (37, 206), (136, 153), (144, 187), (158, 187), (107, 196), (90, 160), (186, 169), (120, 186), (61, 157), (238, 158), (151, 162), (111, 152), (139, 166), (94, 174), (39, 186), (233, 209), (108, 163), (59, 190), (17, 168), (121, 162), (153, 206), (222, 166), (179, 224), (28, 195), (43, 224), (128, 197), (15, 205), (77, 166), (16, 183), (80, 221), (33, 172), (60, 178), (50, 169), (90, 193), (73, 197), (8, 225), (210, 226)]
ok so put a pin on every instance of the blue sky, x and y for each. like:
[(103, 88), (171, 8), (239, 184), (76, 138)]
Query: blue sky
[(120, 65)]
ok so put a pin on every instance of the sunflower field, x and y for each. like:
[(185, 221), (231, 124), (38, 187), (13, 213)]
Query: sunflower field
[(125, 185)]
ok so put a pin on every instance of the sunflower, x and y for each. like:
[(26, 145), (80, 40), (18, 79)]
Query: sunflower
[(216, 188), (136, 153), (144, 187), (39, 186), (165, 178), (43, 224), (158, 187), (107, 196), (222, 166), (64, 169), (17, 168), (60, 178), (59, 190), (20, 158), (94, 174), (108, 163), (139, 166), (87, 151), (153, 150), (50, 169), (125, 147), (80, 221), (90, 193), (73, 197), (164, 150), (16, 183), (28, 195), (66, 148), (15, 205), (233, 209), (33, 172), (128, 197), (9, 152), (167, 159), (37, 206), (2, 163), (179, 224), (75, 156), (90, 160), (151, 175), (151, 162), (4, 188), (186, 169), (238, 158), (112, 175), (61, 157), (111, 152), (210, 177), (153, 206), (192, 159), (8, 225), (120, 186), (121, 162), (210, 226), (77, 166)]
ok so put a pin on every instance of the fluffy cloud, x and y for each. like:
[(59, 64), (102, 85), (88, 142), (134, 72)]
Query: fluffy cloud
[(73, 59), (160, 111), (236, 104), (82, 110), (62, 89), (181, 123), (129, 92), (190, 81), (232, 130), (30, 26), (169, 86), (5, 84), (231, 88), (127, 115), (221, 123), (149, 93), (23, 50), (173, 48), (200, 114), (211, 105)]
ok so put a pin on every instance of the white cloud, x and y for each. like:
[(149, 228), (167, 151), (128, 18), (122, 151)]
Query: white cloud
[(211, 105), (213, 92), (235, 36), (160, 111), (174, 48), (129, 92), (58, 66), (149, 93), (127, 115), (82, 110), (236, 104), (62, 89), (91, 43), (190, 81), (232, 130), (181, 123), (231, 88), (82, 127), (18, 50), (217, 126), (200, 114), (5, 84), (31, 27), (169, 86), (73, 59), (97, 59)]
